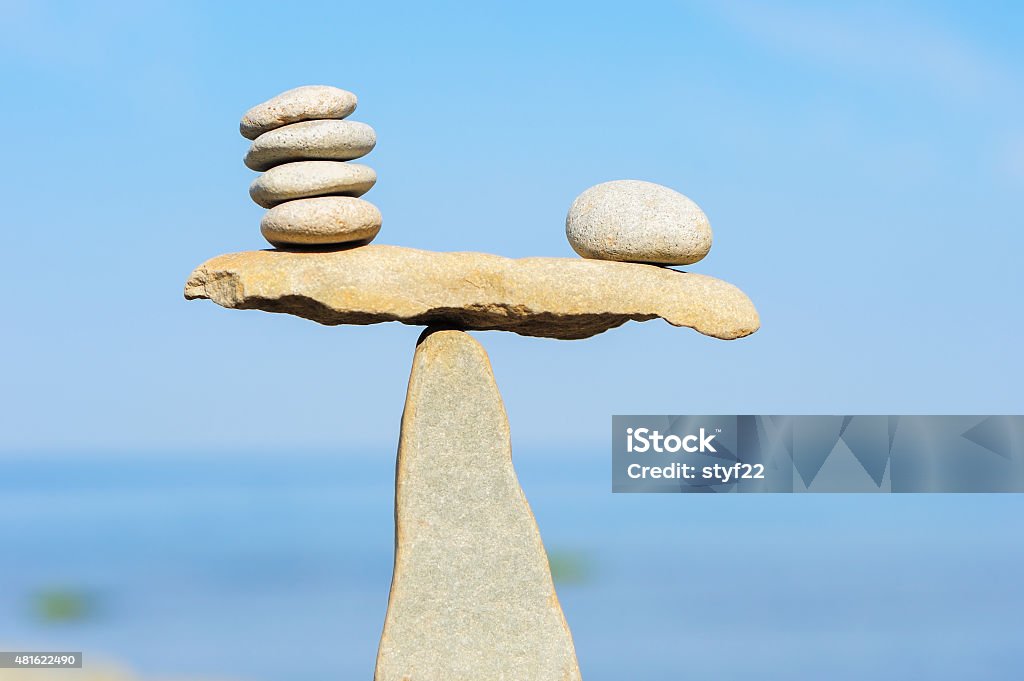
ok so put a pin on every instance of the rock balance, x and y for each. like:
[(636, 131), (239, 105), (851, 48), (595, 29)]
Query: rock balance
[(303, 144), (471, 595)]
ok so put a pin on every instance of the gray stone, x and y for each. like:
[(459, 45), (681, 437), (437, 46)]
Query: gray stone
[(304, 179), (551, 297), (471, 596), (311, 141), (635, 221), (322, 221), (309, 102)]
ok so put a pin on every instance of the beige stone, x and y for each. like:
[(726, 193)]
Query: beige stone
[(471, 596), (309, 102), (552, 297), (311, 141), (321, 221), (636, 221), (304, 179)]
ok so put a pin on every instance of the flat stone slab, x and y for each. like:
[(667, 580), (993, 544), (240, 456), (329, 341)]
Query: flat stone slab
[(471, 597), (563, 298)]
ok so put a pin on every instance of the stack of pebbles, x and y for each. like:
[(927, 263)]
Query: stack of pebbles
[(301, 144)]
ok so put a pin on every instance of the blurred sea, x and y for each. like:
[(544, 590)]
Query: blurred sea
[(277, 568)]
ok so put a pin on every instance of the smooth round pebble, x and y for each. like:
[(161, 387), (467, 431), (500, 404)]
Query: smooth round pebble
[(306, 103), (321, 221), (311, 141), (304, 179), (636, 221)]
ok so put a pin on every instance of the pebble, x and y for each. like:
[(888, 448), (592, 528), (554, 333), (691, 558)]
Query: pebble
[(309, 102), (311, 140), (321, 221), (304, 179), (636, 221)]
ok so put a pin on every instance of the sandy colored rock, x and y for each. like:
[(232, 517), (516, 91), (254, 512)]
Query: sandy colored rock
[(471, 596), (309, 102), (552, 297), (635, 221), (311, 141), (304, 179), (322, 221)]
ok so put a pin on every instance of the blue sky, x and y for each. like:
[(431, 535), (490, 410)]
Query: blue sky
[(861, 165)]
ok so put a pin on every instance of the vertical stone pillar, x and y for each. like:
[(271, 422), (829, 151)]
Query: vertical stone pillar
[(471, 597)]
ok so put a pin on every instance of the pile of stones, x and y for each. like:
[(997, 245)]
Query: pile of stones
[(634, 221), (471, 594), (302, 146)]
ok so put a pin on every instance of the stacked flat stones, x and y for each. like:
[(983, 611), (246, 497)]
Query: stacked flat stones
[(303, 146), (635, 221)]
